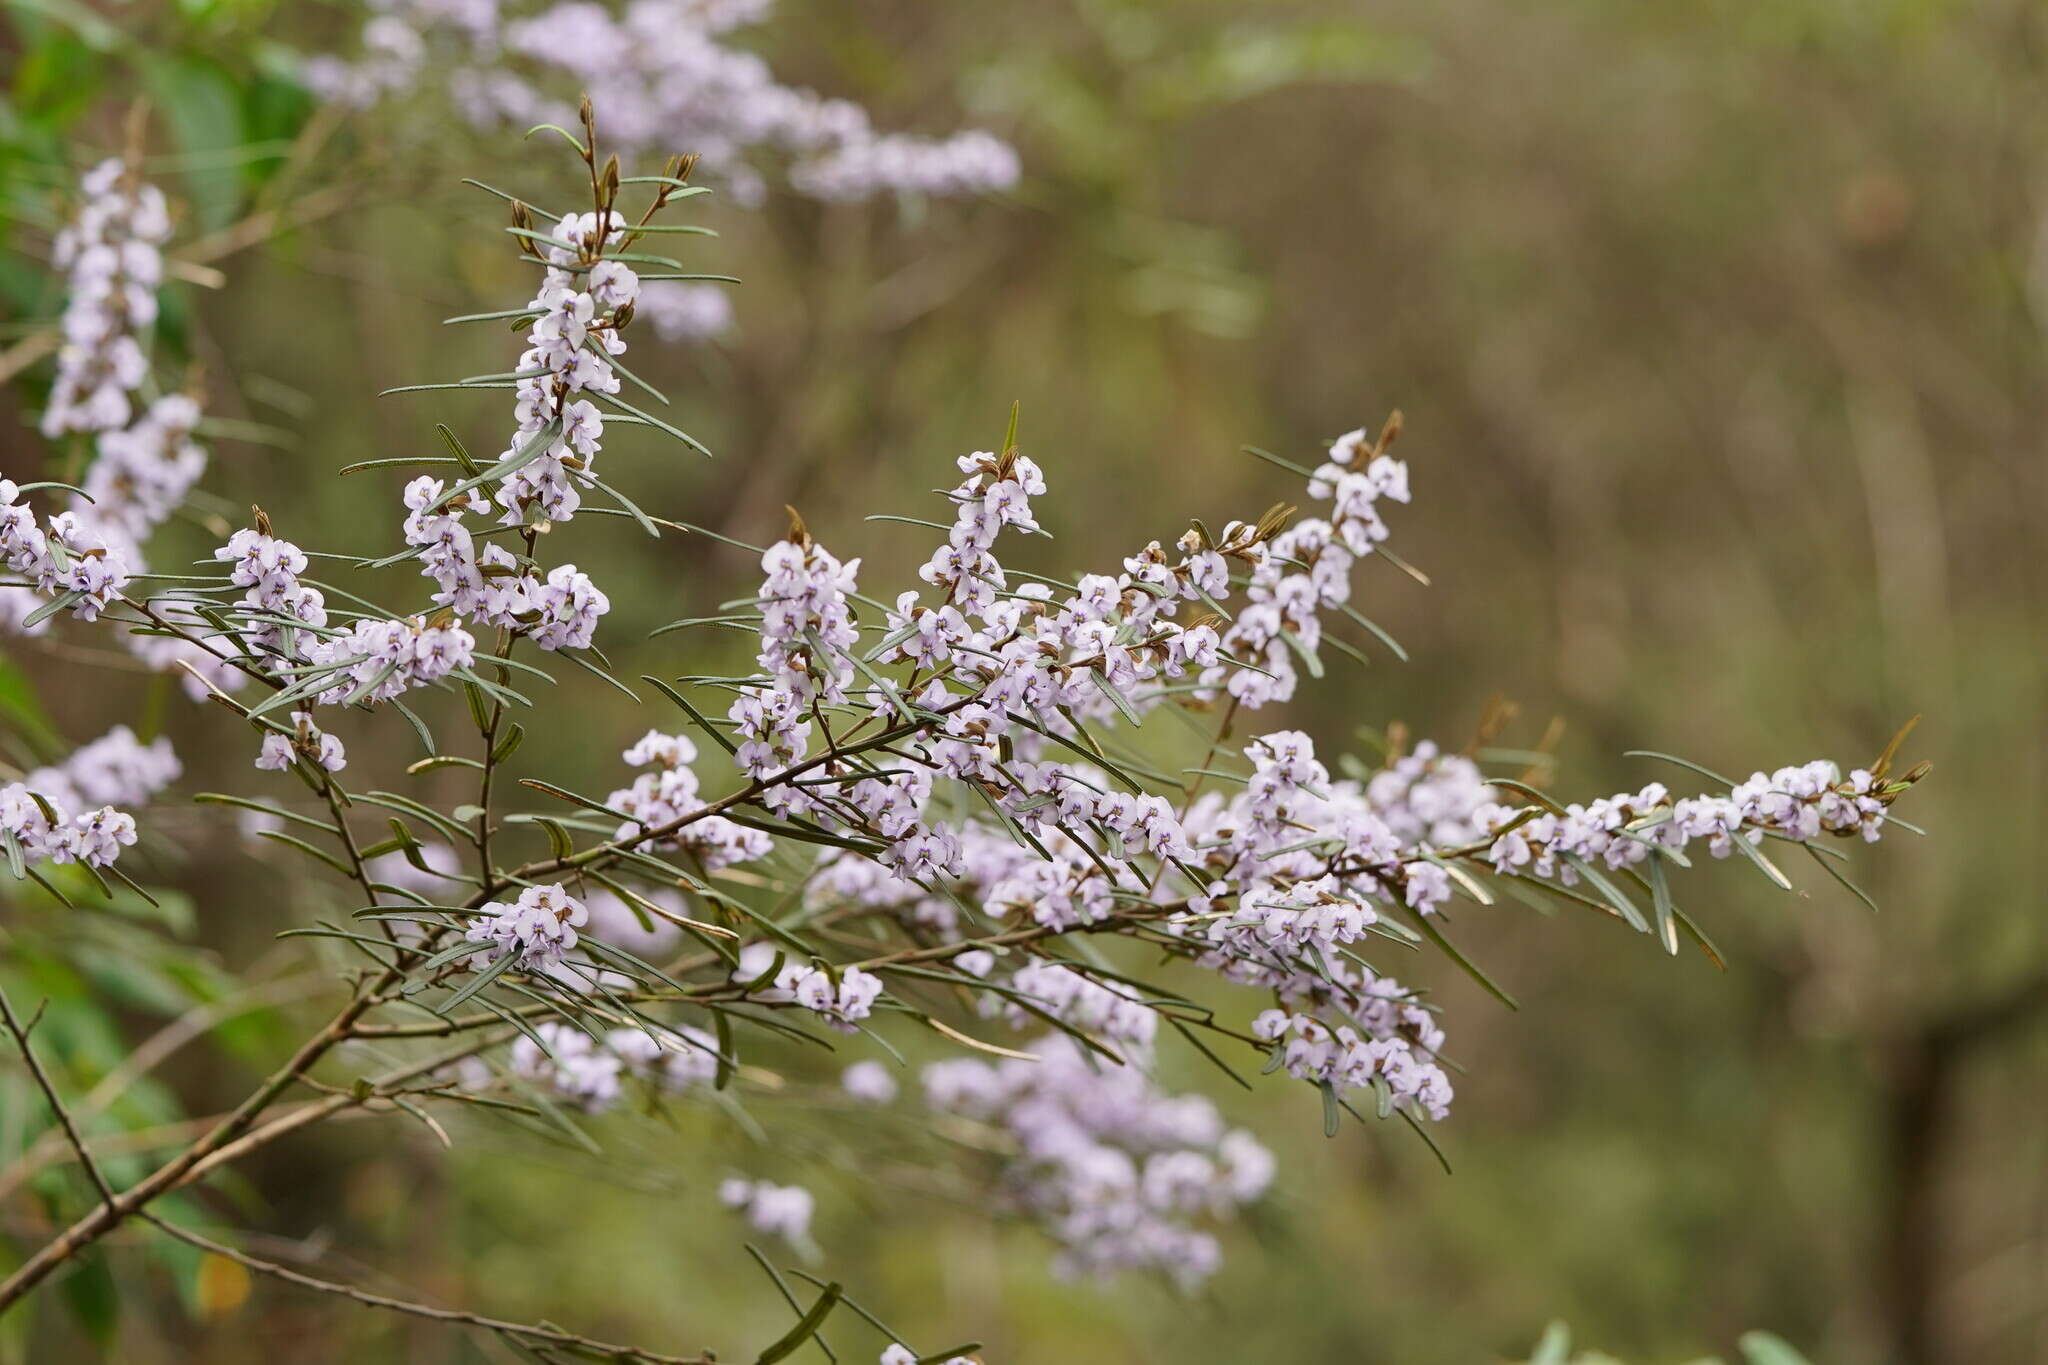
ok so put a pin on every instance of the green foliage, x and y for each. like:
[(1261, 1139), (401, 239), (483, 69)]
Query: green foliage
[(1758, 1348)]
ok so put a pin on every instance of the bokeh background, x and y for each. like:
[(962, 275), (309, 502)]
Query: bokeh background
[(1718, 328)]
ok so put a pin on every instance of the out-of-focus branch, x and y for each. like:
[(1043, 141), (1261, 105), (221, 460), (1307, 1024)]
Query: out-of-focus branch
[(56, 1100), (1919, 1076), (553, 1336), (192, 264), (194, 1023)]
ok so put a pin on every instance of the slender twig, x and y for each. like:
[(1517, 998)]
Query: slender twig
[(194, 1023), (526, 1331), (107, 1216), (49, 1089)]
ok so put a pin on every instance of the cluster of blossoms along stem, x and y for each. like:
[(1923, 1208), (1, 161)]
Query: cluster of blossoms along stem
[(995, 672), (667, 796), (670, 77), (1299, 868), (1428, 796), (145, 463), (1799, 803), (113, 251), (842, 997), (142, 473), (286, 623), (592, 1073), (38, 829), (61, 560), (807, 629), (67, 812), (583, 305), (1278, 886), (1111, 1011), (267, 568), (537, 930), (1118, 1172), (1305, 570)]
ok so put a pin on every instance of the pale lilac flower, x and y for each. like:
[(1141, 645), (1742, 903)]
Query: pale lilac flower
[(322, 750), (779, 1210), (869, 1082), (112, 250), (538, 928)]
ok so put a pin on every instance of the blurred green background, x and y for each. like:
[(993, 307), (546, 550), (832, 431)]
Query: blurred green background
[(1719, 332)]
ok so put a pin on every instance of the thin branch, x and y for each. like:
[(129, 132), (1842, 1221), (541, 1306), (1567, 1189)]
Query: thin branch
[(49, 1088), (529, 1332), (194, 1023)]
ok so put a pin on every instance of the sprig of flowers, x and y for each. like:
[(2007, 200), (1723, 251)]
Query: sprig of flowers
[(112, 249), (670, 75)]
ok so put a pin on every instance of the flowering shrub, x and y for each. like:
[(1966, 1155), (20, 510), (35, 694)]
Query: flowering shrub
[(934, 816)]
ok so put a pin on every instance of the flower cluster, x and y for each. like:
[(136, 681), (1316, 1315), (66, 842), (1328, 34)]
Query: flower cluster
[(584, 303), (1799, 803), (143, 472), (276, 603), (1430, 797), (576, 327), (1306, 568), (840, 996), (778, 1210), (591, 1073), (972, 162), (1399, 1063), (145, 463), (996, 493), (806, 630), (538, 929), (869, 1082), (1107, 1010), (685, 312), (1117, 1171), (806, 626), (667, 798), (669, 75), (66, 812), (65, 561), (279, 750), (117, 769), (113, 251), (34, 827), (379, 658)]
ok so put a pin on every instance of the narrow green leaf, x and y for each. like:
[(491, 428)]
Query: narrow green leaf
[(476, 983), (807, 1327), (1764, 864), (1660, 900)]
